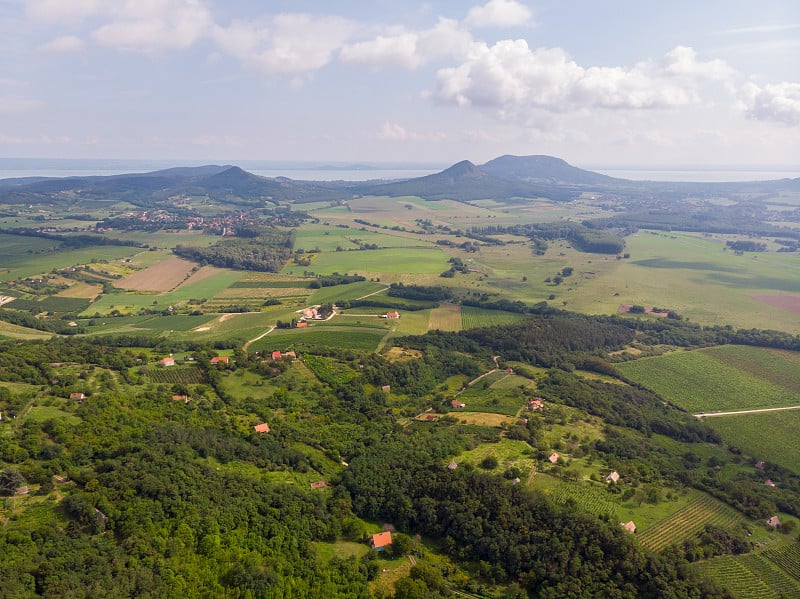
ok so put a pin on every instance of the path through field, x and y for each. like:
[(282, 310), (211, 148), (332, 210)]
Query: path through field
[(715, 414), (261, 336)]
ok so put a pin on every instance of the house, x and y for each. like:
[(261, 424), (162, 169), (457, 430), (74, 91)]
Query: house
[(262, 428), (381, 540), (613, 477), (290, 354), (769, 483), (386, 388), (535, 404), (78, 396), (320, 484), (392, 315), (509, 370), (774, 522), (302, 324), (629, 527), (168, 361), (23, 490), (458, 404), (553, 457), (72, 323), (516, 480), (183, 398), (220, 360), (276, 355), (452, 465), (759, 465)]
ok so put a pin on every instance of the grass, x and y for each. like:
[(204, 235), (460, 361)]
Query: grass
[(712, 381), (344, 337), (496, 393), (42, 413), (447, 317), (344, 292), (341, 550), (770, 436), (507, 452)]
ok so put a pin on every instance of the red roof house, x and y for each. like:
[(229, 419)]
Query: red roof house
[(629, 527), (262, 428), (774, 522), (276, 355), (168, 361), (553, 458), (320, 484), (78, 396), (769, 483), (458, 404), (381, 540), (613, 477), (183, 398), (220, 360)]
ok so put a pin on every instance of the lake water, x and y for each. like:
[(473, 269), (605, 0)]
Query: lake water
[(22, 167)]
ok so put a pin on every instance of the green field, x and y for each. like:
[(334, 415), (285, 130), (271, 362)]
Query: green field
[(770, 436), (479, 317), (496, 393), (712, 380), (372, 263), (345, 337), (774, 572)]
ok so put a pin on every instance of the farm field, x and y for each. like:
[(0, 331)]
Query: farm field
[(17, 332), (496, 393), (769, 436), (479, 317), (688, 521), (446, 317), (704, 380), (774, 572), (390, 265), (162, 277), (695, 276), (508, 453), (345, 292), (346, 337)]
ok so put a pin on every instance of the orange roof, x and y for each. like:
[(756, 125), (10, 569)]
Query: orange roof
[(262, 428), (382, 539), (220, 360)]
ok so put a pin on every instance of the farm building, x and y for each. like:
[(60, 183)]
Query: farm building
[(262, 428), (183, 398), (220, 360), (320, 484), (72, 323), (381, 540), (168, 361), (78, 396), (769, 483), (452, 465), (302, 324), (553, 457), (391, 315), (629, 527), (537, 403), (774, 522), (458, 404), (386, 388), (613, 477), (276, 355)]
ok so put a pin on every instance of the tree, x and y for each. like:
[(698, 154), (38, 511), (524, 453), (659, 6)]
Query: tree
[(489, 462), (10, 481)]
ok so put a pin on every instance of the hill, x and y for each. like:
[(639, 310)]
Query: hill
[(465, 181), (543, 169)]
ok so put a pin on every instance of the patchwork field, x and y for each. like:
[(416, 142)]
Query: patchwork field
[(446, 317), (721, 379), (161, 277)]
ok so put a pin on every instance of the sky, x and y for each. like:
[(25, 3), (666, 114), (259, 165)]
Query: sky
[(596, 82)]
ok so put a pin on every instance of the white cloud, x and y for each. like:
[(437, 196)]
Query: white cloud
[(682, 61), (284, 44), (512, 79), (500, 13), (757, 29), (69, 11), (65, 44), (778, 102), (394, 132), (410, 49), (155, 25)]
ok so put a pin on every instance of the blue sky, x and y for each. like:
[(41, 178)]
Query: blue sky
[(598, 82)]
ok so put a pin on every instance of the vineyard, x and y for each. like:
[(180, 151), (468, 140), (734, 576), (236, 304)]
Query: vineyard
[(189, 375), (51, 304), (778, 366), (446, 318), (480, 317), (688, 521), (746, 431), (771, 573), (697, 381), (731, 574), (589, 499), (327, 370)]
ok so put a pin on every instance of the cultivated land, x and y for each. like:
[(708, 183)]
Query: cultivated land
[(357, 386)]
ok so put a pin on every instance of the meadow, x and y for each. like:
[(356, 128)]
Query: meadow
[(712, 380), (381, 263)]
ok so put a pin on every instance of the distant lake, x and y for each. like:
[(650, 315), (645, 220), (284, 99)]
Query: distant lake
[(698, 175), (21, 167)]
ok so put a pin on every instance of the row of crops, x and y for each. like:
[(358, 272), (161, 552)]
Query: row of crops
[(589, 499), (688, 521), (771, 573), (190, 375)]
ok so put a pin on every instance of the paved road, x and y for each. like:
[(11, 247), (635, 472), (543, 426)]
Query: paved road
[(715, 414)]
